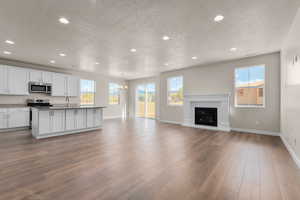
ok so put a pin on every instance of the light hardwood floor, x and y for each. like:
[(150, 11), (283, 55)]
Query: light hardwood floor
[(144, 159)]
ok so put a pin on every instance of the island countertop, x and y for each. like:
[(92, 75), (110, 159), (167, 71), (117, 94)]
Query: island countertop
[(65, 107)]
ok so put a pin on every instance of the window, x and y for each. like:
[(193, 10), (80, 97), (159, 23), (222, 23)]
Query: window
[(175, 90), (250, 86), (114, 93), (87, 92)]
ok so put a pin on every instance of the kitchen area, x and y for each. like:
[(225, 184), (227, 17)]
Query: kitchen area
[(48, 103)]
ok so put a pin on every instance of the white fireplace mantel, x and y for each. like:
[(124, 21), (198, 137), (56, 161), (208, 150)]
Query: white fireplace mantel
[(219, 101)]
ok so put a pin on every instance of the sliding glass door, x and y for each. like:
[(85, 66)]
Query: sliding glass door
[(145, 100)]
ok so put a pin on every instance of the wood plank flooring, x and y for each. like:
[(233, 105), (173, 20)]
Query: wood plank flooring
[(140, 159)]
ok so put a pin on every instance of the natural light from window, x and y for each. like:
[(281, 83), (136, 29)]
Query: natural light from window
[(87, 92), (114, 93), (175, 90), (250, 86)]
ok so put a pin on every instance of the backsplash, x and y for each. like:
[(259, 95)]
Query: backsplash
[(5, 99)]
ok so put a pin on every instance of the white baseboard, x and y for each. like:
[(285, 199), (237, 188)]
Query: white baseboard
[(261, 132), (170, 122), (208, 127), (291, 151), (112, 117)]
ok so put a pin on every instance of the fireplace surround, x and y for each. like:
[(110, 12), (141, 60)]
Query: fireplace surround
[(220, 102)]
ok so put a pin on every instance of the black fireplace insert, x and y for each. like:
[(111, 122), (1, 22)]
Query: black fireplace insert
[(206, 116)]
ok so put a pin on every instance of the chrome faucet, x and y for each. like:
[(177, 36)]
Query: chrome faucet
[(68, 100)]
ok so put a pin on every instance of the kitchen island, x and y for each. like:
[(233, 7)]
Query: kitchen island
[(63, 120)]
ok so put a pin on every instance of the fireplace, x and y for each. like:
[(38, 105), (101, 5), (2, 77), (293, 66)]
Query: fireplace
[(206, 116)]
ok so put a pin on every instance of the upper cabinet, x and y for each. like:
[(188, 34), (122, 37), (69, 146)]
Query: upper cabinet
[(59, 85), (3, 80), (40, 76), (72, 86), (13, 80), (17, 81)]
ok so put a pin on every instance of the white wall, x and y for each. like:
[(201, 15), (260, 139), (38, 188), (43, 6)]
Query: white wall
[(218, 78), (290, 88), (101, 97)]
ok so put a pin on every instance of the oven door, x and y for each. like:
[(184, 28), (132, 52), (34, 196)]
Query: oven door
[(37, 88)]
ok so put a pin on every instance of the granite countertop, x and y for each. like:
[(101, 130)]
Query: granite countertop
[(13, 106), (63, 107)]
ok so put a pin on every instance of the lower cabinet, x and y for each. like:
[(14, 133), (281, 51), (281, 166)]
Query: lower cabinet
[(94, 117), (18, 117), (14, 118), (3, 118), (51, 121), (76, 119)]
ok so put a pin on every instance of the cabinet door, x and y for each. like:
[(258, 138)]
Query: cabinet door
[(90, 118), (3, 80), (59, 85), (47, 77), (18, 81), (18, 117), (44, 122), (58, 121), (35, 76), (70, 119), (3, 118), (73, 86), (80, 118), (98, 117)]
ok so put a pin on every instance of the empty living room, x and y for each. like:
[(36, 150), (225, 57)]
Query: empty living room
[(150, 100)]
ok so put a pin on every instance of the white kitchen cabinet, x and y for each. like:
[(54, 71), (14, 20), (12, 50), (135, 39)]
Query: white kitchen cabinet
[(3, 118), (47, 77), (94, 117), (80, 118), (40, 76), (51, 121), (70, 119), (57, 121), (75, 119), (3, 80), (18, 117), (72, 86), (17, 81), (59, 86), (44, 122), (36, 76)]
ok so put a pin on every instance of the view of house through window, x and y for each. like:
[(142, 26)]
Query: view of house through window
[(87, 92), (250, 86), (175, 90), (114, 93)]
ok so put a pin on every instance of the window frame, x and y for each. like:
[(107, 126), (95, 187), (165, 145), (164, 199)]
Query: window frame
[(168, 86), (119, 94), (94, 91), (264, 89)]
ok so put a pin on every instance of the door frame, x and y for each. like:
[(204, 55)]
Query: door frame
[(145, 105)]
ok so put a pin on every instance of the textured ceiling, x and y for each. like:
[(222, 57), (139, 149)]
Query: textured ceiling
[(104, 31)]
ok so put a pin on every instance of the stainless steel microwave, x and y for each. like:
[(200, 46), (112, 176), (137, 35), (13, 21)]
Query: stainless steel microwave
[(36, 87)]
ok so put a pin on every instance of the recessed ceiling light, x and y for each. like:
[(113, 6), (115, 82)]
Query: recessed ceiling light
[(166, 37), (62, 54), (167, 64), (97, 63), (219, 18), (194, 58), (7, 52), (64, 20), (233, 49), (133, 50), (52, 61), (9, 42)]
